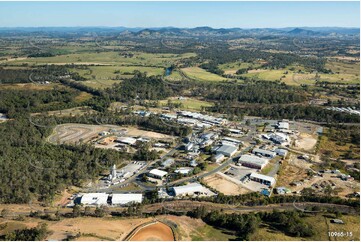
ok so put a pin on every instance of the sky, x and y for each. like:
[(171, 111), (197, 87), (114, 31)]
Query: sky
[(180, 14)]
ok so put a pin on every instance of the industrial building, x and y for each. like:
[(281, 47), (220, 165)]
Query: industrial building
[(94, 199), (279, 138), (218, 158), (189, 190), (281, 152), (184, 170), (126, 140), (267, 180), (123, 199), (158, 174), (227, 150), (253, 161), (263, 152), (283, 125)]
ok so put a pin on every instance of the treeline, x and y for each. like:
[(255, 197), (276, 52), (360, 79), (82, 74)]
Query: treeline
[(255, 92), (140, 87), (257, 199), (221, 53), (37, 233), (297, 112), (243, 225), (30, 168), (14, 102)]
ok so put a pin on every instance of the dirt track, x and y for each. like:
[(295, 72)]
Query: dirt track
[(154, 232)]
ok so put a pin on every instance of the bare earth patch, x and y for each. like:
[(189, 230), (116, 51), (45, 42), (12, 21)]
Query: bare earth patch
[(224, 186)]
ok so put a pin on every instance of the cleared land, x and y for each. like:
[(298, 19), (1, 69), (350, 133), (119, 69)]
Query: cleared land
[(201, 74), (73, 133), (188, 103), (224, 186)]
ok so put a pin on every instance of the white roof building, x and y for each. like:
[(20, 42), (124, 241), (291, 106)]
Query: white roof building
[(218, 158), (267, 180), (227, 150), (279, 138), (123, 199), (229, 139), (158, 173), (253, 161), (283, 125), (183, 170), (189, 189), (126, 140), (95, 199)]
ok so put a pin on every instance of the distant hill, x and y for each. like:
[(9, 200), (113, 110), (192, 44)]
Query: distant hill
[(303, 32), (174, 31)]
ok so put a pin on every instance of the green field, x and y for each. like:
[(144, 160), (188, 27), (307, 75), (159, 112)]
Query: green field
[(200, 74), (321, 225), (108, 58), (212, 234), (233, 67), (189, 103)]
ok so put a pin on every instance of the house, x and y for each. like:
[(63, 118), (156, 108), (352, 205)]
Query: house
[(267, 180), (218, 158), (94, 199), (158, 174), (129, 198), (253, 161), (263, 152), (190, 189), (227, 150)]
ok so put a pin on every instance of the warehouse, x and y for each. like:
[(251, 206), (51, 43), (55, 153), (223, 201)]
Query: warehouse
[(155, 173), (283, 125), (281, 152), (189, 190), (94, 199), (126, 140), (279, 138), (263, 152), (123, 199), (267, 180), (227, 150), (218, 158), (253, 161)]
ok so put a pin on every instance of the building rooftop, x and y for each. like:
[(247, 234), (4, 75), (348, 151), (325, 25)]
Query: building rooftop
[(253, 159), (263, 177), (157, 172), (127, 198), (263, 151), (227, 149), (189, 188)]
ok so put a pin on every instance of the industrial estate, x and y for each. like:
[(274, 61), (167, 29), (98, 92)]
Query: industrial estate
[(139, 134)]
